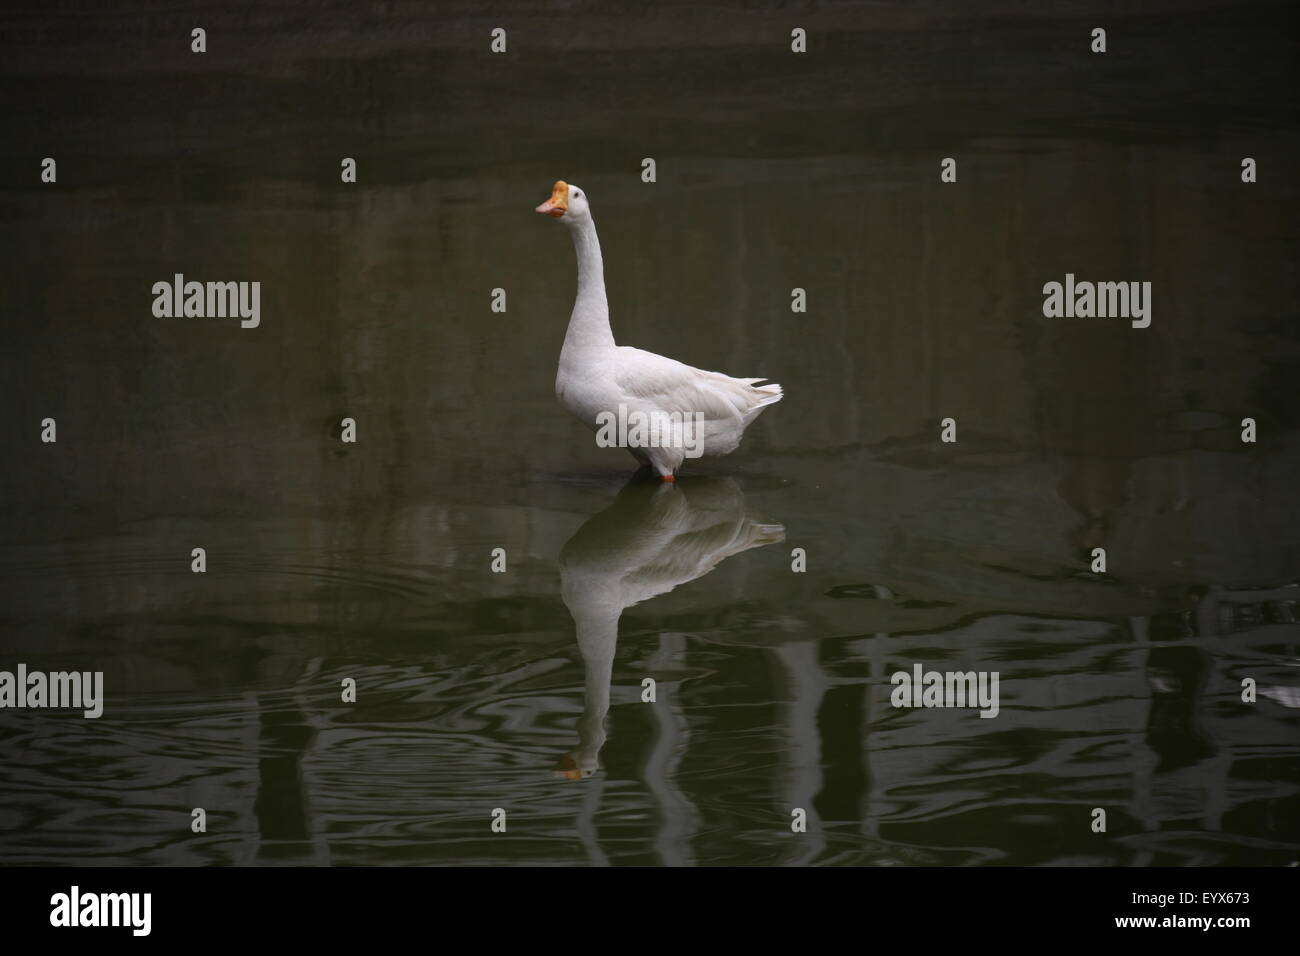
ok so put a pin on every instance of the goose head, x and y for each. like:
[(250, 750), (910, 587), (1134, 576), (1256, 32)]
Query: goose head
[(577, 764), (568, 203)]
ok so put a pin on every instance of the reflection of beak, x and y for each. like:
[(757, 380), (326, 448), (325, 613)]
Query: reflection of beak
[(567, 768), (558, 204)]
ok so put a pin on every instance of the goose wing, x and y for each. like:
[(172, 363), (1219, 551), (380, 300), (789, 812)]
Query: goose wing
[(656, 382)]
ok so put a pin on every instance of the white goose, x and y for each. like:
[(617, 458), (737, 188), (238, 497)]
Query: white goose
[(598, 379)]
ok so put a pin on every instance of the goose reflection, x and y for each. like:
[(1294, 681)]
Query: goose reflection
[(654, 537)]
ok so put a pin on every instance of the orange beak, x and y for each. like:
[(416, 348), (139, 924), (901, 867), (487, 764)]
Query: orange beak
[(558, 204), (568, 768)]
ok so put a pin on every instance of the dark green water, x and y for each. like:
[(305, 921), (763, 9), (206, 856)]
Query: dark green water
[(371, 561)]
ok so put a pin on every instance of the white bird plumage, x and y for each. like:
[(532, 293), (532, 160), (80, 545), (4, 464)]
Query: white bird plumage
[(598, 376)]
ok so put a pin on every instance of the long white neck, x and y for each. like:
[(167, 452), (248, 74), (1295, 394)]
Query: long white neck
[(589, 323)]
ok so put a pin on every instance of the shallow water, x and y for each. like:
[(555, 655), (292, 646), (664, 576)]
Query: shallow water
[(522, 690)]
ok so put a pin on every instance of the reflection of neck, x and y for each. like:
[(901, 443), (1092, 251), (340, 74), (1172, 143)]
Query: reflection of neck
[(589, 323), (597, 640)]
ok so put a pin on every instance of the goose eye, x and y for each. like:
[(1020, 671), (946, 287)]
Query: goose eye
[(577, 193)]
